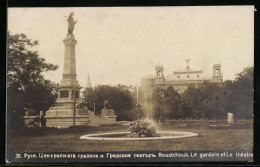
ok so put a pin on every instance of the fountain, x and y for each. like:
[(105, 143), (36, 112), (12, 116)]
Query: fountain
[(141, 129)]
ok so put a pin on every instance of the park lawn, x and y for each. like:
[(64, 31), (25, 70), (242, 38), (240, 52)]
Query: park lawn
[(67, 140)]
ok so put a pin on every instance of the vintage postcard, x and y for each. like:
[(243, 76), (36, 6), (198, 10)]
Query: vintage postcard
[(130, 84)]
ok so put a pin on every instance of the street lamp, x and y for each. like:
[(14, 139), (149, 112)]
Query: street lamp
[(74, 110), (94, 108)]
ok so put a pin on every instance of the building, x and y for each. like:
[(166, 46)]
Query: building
[(179, 80)]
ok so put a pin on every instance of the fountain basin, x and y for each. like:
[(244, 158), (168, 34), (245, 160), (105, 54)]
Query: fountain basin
[(122, 136)]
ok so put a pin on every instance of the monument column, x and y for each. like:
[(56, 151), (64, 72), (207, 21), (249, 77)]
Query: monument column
[(66, 111), (69, 81), (69, 68)]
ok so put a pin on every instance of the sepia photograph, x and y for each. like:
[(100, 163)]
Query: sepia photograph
[(130, 84)]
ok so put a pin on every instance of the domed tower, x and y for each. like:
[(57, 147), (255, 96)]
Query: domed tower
[(159, 78), (217, 73)]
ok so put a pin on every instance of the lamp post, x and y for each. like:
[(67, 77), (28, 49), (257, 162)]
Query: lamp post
[(94, 108), (74, 110), (138, 111)]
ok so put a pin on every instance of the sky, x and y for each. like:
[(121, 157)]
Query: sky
[(120, 45)]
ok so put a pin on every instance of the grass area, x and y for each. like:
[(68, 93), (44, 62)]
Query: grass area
[(220, 137)]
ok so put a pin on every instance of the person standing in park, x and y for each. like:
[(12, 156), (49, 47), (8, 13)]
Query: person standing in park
[(43, 121)]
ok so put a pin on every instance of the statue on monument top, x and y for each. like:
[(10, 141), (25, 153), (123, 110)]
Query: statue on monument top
[(71, 23)]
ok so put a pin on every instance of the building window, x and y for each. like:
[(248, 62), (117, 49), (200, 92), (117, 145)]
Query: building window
[(158, 74), (217, 72), (188, 76), (76, 93), (178, 76), (198, 76)]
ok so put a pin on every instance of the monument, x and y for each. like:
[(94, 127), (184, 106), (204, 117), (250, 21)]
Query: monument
[(69, 109), (107, 112), (230, 118)]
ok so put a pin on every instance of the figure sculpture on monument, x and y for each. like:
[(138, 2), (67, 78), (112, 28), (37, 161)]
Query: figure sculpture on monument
[(71, 23), (82, 105), (106, 105)]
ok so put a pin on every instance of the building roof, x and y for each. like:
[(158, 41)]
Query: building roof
[(174, 77), (185, 75)]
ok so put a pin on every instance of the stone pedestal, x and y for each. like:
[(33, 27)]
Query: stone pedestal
[(230, 118), (62, 115), (108, 114)]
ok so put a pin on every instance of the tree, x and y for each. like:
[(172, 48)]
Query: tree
[(239, 95), (203, 102), (212, 98), (167, 103), (213, 101), (120, 100), (190, 100), (159, 104), (26, 86), (173, 101), (90, 97)]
